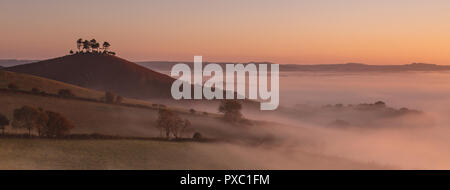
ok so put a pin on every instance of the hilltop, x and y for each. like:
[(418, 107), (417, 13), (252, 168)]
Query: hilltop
[(102, 72)]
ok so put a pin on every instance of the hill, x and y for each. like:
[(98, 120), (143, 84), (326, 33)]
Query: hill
[(102, 72), (26, 82), (166, 66)]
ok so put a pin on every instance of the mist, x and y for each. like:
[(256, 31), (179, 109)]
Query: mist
[(376, 139)]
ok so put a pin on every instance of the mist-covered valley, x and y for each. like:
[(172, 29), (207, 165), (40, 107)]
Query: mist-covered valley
[(395, 120)]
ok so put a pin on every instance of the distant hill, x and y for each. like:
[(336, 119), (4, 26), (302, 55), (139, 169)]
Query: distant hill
[(102, 72), (167, 65), (348, 67), (14, 62), (358, 67)]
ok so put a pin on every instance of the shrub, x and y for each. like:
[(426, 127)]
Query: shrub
[(13, 86), (65, 93), (231, 110), (119, 99), (109, 97), (35, 90), (3, 122), (197, 136)]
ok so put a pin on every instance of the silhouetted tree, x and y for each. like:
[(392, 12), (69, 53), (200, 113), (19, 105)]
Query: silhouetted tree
[(171, 123), (3, 123), (71, 52), (57, 125), (231, 110), (95, 46), (13, 86), (106, 46), (93, 43), (66, 93), (197, 136), (86, 46), (109, 97), (79, 44), (30, 118)]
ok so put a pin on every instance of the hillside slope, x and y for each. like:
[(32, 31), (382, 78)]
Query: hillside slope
[(26, 82), (102, 72)]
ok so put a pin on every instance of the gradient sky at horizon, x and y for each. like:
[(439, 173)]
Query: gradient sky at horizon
[(280, 31)]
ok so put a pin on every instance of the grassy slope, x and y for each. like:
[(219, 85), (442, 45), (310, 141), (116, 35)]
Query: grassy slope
[(27, 82)]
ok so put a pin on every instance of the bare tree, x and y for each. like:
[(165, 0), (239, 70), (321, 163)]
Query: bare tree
[(30, 118), (170, 123), (57, 125), (86, 46)]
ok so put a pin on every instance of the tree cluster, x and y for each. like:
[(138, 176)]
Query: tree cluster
[(112, 98), (92, 46), (170, 123), (66, 93), (231, 110), (46, 123)]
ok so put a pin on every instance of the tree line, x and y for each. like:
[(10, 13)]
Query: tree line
[(170, 124), (46, 123), (92, 46)]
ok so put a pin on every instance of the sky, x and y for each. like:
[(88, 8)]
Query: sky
[(279, 31)]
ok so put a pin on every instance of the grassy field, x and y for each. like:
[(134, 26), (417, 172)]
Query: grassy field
[(144, 154), (109, 119)]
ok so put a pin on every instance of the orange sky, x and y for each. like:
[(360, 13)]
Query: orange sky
[(281, 31)]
